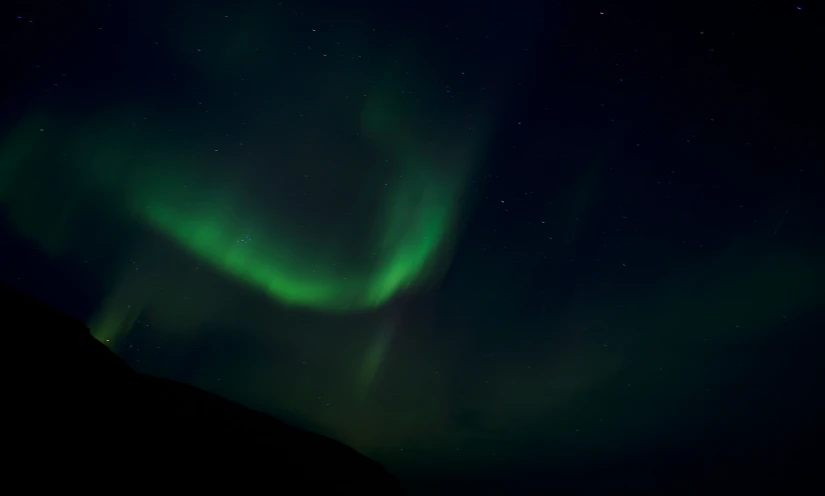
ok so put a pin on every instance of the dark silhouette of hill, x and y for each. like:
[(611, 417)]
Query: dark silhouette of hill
[(78, 412)]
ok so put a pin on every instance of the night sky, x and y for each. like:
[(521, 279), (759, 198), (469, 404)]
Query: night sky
[(463, 238)]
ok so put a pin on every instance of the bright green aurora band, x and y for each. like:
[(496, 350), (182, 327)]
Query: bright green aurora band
[(216, 222)]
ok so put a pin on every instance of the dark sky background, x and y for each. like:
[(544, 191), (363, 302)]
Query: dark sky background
[(523, 241)]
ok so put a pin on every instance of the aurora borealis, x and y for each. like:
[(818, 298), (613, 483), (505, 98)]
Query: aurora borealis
[(455, 238), (398, 229)]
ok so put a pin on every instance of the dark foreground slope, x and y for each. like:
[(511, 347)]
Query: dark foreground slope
[(78, 412)]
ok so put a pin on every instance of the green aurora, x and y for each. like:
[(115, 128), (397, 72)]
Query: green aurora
[(412, 220), (300, 223)]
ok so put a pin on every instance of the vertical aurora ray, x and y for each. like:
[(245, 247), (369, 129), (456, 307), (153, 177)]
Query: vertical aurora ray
[(374, 357)]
